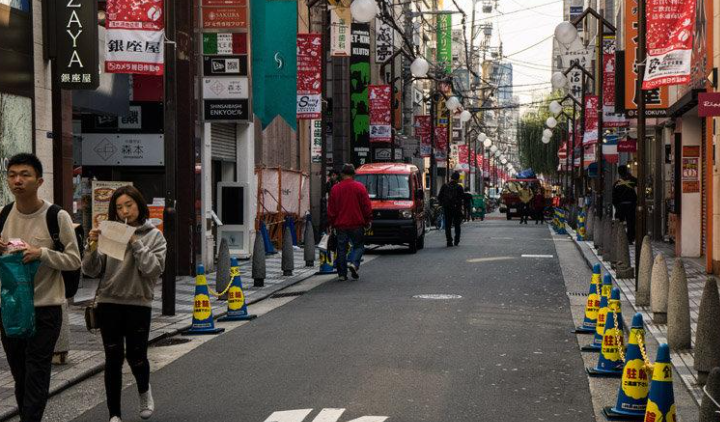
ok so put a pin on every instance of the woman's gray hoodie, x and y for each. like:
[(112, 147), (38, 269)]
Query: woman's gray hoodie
[(131, 281)]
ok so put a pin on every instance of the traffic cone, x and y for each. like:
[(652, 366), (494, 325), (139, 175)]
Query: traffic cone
[(592, 305), (605, 290), (202, 322), (581, 226), (561, 229), (610, 363), (633, 392), (327, 263), (269, 247), (237, 307), (661, 400)]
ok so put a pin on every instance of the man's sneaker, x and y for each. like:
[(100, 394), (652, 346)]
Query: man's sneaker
[(342, 278), (353, 271), (147, 404), (115, 419), (449, 244)]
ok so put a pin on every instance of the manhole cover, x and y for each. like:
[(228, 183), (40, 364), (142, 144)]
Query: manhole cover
[(438, 297), (172, 341)]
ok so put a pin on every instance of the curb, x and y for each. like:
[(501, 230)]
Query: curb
[(98, 368)]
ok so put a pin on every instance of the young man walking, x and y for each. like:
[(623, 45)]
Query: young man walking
[(451, 198), (349, 213), (26, 231)]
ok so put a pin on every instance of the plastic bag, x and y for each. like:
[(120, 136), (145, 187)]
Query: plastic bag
[(17, 295), (324, 242)]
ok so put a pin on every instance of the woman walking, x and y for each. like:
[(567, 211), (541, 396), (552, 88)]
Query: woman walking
[(124, 297)]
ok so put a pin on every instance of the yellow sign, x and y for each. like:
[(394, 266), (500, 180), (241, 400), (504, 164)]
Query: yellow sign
[(201, 310), (602, 316), (662, 372), (612, 342), (606, 290), (593, 306), (653, 413), (236, 299), (635, 380)]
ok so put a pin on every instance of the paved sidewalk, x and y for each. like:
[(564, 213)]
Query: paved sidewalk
[(86, 357), (696, 276)]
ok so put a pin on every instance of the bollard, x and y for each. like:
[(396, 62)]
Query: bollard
[(607, 239), (661, 399), (707, 337), (288, 259), (610, 362), (222, 272), (642, 296), (624, 268), (590, 223), (598, 238), (290, 223), (678, 309), (258, 261), (581, 228), (710, 407), (613, 244), (659, 286), (309, 243), (561, 228)]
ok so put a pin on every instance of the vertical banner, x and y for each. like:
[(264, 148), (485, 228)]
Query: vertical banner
[(656, 100), (380, 113), (340, 19), (359, 100), (610, 149), (134, 37), (384, 39), (610, 118), (591, 119), (670, 30), (462, 159), (444, 41), (316, 143), (309, 77), (441, 142), (422, 132)]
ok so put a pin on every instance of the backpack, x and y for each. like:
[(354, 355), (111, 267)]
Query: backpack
[(71, 278)]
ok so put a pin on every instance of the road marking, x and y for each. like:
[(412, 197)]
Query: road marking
[(537, 256), (490, 259), (325, 415), (438, 297), (502, 238)]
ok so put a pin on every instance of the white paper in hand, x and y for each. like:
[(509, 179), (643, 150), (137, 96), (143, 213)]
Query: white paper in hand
[(114, 238)]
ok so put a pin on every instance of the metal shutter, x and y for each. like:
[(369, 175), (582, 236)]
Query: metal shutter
[(703, 184), (224, 141)]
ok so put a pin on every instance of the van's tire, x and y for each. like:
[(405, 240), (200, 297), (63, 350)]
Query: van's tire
[(509, 216), (421, 241), (414, 245)]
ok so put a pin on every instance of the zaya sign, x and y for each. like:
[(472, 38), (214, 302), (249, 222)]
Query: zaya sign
[(77, 44)]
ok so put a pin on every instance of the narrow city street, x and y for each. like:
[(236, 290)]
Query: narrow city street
[(497, 347)]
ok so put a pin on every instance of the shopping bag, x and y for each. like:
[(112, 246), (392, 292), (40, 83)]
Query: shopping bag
[(324, 242), (17, 295), (332, 242)]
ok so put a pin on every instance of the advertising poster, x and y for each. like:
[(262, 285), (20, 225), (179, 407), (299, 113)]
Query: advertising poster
[(134, 40), (691, 169), (340, 19), (444, 41), (422, 132), (101, 194), (316, 143), (591, 119), (309, 77), (610, 118), (359, 99), (380, 113), (441, 143), (157, 208)]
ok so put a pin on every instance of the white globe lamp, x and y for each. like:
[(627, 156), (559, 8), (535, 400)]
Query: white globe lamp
[(493, 149), (503, 160), (551, 122), (363, 11), (566, 33), (498, 154), (555, 108), (481, 137), (545, 141), (487, 143), (547, 133), (420, 67), (558, 80), (452, 103), (465, 116)]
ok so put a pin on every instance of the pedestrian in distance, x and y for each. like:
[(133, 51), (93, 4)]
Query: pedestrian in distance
[(624, 198), (526, 197), (333, 179), (538, 206), (26, 231), (350, 215), (451, 198), (124, 297), (467, 202)]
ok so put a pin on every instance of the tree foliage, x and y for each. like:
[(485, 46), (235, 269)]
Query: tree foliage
[(533, 153)]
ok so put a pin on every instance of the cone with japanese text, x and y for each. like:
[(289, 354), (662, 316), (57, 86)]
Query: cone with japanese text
[(237, 306), (592, 305), (661, 399), (327, 262), (610, 362), (634, 386), (202, 320), (605, 291)]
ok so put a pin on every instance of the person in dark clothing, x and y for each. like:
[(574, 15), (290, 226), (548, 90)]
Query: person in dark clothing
[(539, 206), (333, 179), (467, 202), (451, 198), (624, 198)]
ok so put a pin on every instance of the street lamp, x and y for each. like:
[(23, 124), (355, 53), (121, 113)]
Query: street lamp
[(364, 11), (452, 103), (551, 122), (481, 137), (566, 33), (547, 133), (487, 143), (555, 107), (545, 140), (558, 80), (420, 67), (493, 149), (465, 116)]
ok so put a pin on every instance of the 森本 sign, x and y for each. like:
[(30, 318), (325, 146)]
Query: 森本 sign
[(77, 44), (225, 88), (309, 77), (379, 96)]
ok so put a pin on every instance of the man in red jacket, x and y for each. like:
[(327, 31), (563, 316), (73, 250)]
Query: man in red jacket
[(349, 213)]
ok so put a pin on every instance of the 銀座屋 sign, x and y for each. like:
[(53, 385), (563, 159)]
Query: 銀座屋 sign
[(77, 44)]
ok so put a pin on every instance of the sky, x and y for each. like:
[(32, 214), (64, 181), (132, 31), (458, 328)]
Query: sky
[(525, 28)]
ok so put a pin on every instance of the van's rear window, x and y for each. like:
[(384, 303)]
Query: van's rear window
[(386, 186)]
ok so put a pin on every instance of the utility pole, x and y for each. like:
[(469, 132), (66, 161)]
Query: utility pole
[(600, 180), (640, 227), (433, 162)]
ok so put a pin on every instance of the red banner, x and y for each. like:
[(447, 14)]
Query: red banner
[(136, 11), (670, 31), (591, 119), (627, 145), (380, 105), (422, 131), (309, 78), (134, 37), (441, 143), (610, 118)]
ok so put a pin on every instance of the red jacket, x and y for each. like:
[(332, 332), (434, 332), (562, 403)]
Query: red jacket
[(349, 206)]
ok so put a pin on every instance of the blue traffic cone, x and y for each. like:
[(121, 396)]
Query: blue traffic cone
[(592, 306), (610, 362), (633, 392), (581, 226), (661, 400), (202, 322), (327, 263), (290, 222), (561, 229), (237, 307), (269, 247), (605, 290)]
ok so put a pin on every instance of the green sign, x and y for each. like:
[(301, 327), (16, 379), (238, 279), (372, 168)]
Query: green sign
[(359, 100), (444, 41)]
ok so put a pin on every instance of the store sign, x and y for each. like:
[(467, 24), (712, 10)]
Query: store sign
[(309, 76), (133, 120), (77, 44), (225, 66), (383, 154), (206, 3), (444, 41), (225, 88), (316, 133), (225, 43), (340, 19), (224, 17), (122, 149), (384, 41), (708, 104), (226, 110), (610, 118), (441, 144), (691, 169), (669, 42), (134, 47), (359, 99), (380, 130)]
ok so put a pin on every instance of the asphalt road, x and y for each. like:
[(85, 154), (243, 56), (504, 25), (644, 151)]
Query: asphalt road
[(502, 351)]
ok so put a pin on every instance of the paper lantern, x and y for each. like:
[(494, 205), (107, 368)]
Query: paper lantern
[(363, 11), (566, 33), (558, 80), (420, 67)]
